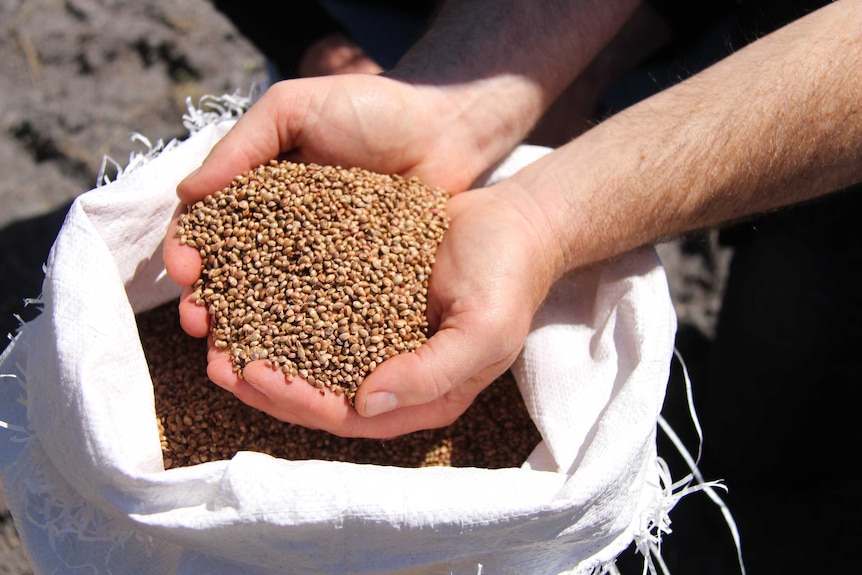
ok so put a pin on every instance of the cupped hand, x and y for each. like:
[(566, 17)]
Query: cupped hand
[(485, 285)]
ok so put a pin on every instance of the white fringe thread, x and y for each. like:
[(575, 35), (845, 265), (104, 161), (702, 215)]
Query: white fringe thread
[(209, 110), (648, 543)]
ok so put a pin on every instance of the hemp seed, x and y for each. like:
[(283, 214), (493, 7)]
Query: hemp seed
[(316, 255)]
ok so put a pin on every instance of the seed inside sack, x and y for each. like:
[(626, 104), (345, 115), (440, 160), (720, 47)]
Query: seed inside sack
[(201, 422), (320, 271)]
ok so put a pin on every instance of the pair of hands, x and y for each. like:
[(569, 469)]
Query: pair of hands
[(491, 272)]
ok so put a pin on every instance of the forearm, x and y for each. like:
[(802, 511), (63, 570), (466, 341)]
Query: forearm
[(498, 64), (776, 123)]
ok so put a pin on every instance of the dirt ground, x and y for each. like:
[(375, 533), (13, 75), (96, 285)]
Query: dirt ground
[(78, 77)]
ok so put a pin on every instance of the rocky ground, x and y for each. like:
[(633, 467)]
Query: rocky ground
[(78, 77)]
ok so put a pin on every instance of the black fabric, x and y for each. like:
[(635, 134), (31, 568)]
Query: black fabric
[(283, 30), (776, 406), (280, 30), (690, 19)]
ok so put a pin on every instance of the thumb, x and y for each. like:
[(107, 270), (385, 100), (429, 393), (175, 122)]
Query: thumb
[(259, 136), (451, 364)]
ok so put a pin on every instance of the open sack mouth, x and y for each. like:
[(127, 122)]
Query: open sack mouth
[(590, 383)]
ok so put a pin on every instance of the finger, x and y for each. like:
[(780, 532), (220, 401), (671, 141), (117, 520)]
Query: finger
[(214, 353), (434, 415), (294, 399), (194, 318), (182, 262), (298, 402), (452, 363), (259, 135), (220, 370)]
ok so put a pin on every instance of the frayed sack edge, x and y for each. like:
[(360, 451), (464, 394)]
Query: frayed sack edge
[(209, 110), (647, 541)]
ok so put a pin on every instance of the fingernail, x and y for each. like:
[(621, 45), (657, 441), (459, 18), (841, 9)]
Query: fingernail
[(182, 182), (257, 386), (380, 402)]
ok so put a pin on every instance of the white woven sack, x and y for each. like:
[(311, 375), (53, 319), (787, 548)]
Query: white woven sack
[(81, 460)]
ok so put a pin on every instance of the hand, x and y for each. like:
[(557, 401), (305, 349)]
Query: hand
[(396, 128), (364, 120)]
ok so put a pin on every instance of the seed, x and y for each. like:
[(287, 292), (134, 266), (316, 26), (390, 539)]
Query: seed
[(199, 421), (352, 248)]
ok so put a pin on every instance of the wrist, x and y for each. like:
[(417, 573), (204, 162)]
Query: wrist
[(480, 122), (536, 221), (498, 65), (579, 197)]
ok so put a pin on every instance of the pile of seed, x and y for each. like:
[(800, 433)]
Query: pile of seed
[(201, 422), (321, 271)]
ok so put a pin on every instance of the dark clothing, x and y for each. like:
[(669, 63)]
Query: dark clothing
[(282, 31), (777, 411)]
